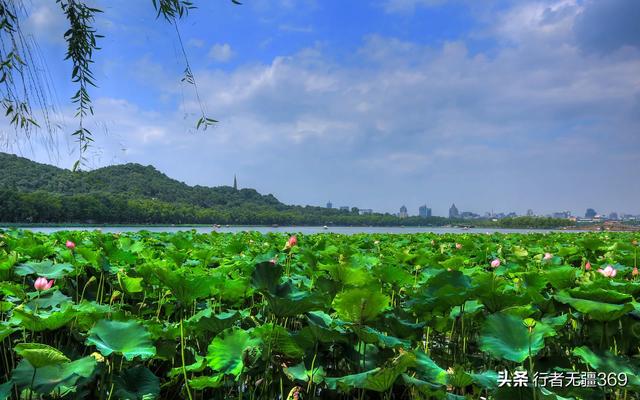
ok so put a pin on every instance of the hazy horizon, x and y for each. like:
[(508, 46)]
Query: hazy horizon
[(504, 106)]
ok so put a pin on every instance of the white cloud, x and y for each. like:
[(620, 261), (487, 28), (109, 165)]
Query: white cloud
[(220, 52), (46, 21)]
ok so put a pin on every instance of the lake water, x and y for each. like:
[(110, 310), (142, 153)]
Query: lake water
[(346, 230)]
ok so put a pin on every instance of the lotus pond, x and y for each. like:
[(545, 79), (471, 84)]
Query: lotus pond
[(141, 315)]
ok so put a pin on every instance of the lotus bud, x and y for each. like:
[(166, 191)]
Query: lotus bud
[(293, 240), (495, 263), (70, 245), (458, 246), (42, 284), (587, 266), (547, 256), (635, 271)]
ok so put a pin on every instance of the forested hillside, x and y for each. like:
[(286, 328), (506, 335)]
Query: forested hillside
[(131, 181), (134, 194)]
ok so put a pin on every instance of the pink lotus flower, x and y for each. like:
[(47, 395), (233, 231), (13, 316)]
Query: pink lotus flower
[(609, 271), (70, 245), (458, 246), (42, 284), (587, 266), (547, 256), (495, 263), (293, 240)]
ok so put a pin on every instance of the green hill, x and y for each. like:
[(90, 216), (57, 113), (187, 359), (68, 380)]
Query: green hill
[(131, 180)]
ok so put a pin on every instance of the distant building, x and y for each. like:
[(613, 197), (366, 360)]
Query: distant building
[(453, 212), (613, 216), (512, 215), (529, 213), (403, 212), (590, 213), (344, 208), (366, 211), (561, 215), (424, 211), (235, 182), (468, 215), (329, 204)]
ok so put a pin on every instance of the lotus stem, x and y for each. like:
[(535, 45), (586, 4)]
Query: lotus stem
[(184, 369)]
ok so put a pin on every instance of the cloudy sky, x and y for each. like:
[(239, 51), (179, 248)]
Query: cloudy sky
[(493, 105)]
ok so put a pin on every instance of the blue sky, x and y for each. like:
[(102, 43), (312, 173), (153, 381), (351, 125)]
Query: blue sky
[(493, 105)]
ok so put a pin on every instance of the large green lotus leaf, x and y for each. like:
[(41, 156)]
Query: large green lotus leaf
[(459, 378), (454, 263), (6, 390), (228, 350), (54, 300), (400, 327), (53, 377), (370, 335), (186, 286), (470, 308), (6, 330), (393, 274), (137, 383), (266, 276), (45, 269), (506, 336), (444, 290), (591, 243), (561, 277), (595, 309), (607, 362), (43, 320), (496, 293), (428, 370), (207, 382), (89, 312), (599, 294), (279, 340), (378, 379), (198, 366), (347, 275), (130, 284), (486, 380), (206, 321), (40, 355), (300, 373), (427, 388), (323, 327), (361, 304), (128, 338), (295, 302)]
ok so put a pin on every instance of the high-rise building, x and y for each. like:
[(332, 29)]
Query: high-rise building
[(235, 182), (613, 216), (424, 211), (329, 204), (453, 211), (403, 212), (590, 213), (529, 213), (344, 208)]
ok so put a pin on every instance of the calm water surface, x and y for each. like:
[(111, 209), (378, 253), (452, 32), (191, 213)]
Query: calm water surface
[(346, 230)]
